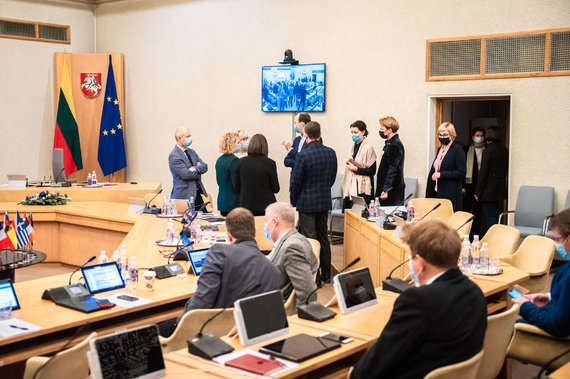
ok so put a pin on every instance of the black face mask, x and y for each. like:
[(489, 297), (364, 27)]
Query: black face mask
[(382, 135), (444, 141)]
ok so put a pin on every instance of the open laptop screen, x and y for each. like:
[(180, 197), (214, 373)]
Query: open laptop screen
[(103, 277), (197, 258), (7, 293)]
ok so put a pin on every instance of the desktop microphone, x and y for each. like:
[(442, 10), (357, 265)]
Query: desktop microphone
[(154, 210), (387, 225), (431, 210), (395, 284), (466, 222), (314, 311), (57, 176), (78, 268)]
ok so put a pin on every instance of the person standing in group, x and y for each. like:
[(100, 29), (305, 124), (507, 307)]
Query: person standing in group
[(447, 173), (313, 176), (257, 181), (299, 143), (474, 154), (186, 168), (360, 167), (243, 143), (491, 190), (226, 173), (390, 183)]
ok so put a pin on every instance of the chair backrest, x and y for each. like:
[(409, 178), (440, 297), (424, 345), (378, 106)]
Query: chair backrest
[(73, 362), (263, 243), (336, 191), (464, 370), (534, 255), (534, 204), (497, 338), (502, 240), (423, 205), (457, 220), (191, 323), (291, 304), (316, 245), (411, 188)]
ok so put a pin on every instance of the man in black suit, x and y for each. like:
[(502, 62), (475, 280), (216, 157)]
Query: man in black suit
[(312, 179), (440, 322), (299, 143), (491, 188)]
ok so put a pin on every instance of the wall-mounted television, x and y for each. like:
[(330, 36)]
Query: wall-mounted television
[(294, 88)]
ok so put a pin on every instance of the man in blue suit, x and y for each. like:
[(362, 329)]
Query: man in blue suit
[(299, 143), (186, 168), (311, 182)]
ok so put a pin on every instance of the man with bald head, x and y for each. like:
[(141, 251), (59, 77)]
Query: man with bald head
[(186, 168)]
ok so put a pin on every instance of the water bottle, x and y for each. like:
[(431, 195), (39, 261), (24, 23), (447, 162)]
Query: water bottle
[(116, 258), (103, 257), (133, 279), (372, 209), (169, 232), (164, 209), (94, 178), (377, 204), (466, 257), (192, 205), (89, 179), (173, 210), (411, 211), (124, 265), (475, 246), (484, 260)]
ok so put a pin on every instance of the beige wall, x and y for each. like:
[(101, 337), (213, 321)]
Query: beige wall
[(27, 115), (198, 64)]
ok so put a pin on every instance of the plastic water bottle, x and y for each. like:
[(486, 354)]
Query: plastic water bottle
[(124, 265), (196, 233), (192, 205), (372, 209), (466, 257), (103, 257), (169, 231), (377, 204), (475, 247), (94, 178), (133, 278), (484, 260), (173, 210), (411, 211), (116, 258), (89, 179), (164, 209)]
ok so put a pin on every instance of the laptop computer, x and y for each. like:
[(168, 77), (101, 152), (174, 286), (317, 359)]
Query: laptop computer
[(7, 293), (197, 258), (134, 353)]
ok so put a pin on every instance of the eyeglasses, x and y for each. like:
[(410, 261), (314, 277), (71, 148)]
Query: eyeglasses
[(560, 239)]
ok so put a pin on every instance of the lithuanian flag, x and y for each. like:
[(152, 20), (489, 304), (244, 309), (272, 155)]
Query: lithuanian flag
[(66, 132)]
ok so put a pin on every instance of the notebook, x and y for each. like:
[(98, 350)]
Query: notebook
[(257, 365), (102, 277)]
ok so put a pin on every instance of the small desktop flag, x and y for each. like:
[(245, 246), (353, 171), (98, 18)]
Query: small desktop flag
[(21, 232), (28, 223), (5, 240), (111, 153), (9, 230), (66, 131)]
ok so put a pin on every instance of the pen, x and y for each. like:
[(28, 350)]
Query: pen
[(18, 327)]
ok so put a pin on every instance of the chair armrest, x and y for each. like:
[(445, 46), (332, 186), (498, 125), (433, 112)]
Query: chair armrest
[(334, 200), (528, 328), (502, 214), (33, 364)]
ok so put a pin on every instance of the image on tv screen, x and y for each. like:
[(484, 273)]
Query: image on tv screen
[(293, 88)]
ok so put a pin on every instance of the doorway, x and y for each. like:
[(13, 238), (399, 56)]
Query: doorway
[(467, 113)]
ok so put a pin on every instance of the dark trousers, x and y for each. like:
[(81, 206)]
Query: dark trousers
[(490, 214), (314, 225)]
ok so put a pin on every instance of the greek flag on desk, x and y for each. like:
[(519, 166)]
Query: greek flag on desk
[(111, 153)]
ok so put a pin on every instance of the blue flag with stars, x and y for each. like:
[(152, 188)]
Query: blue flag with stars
[(111, 153)]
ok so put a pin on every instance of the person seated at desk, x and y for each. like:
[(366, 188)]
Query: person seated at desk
[(292, 253), (236, 270), (440, 322), (551, 312)]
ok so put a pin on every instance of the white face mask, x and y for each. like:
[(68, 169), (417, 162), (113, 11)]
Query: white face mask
[(478, 139)]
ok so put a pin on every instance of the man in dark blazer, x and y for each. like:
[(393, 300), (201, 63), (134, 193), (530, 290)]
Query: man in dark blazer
[(234, 271), (313, 176), (440, 322), (491, 188), (299, 143), (186, 168)]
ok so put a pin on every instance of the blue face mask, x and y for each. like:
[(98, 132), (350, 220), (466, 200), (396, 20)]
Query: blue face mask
[(245, 144), (560, 249), (266, 232), (188, 141), (296, 129), (413, 274), (238, 148), (355, 137)]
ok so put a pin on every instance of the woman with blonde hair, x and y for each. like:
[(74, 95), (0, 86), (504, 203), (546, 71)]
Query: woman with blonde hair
[(447, 173), (243, 143), (226, 173)]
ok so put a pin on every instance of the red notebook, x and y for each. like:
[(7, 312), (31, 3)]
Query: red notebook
[(255, 364)]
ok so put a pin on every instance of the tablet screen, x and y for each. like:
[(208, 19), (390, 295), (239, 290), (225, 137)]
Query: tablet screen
[(7, 293), (356, 289), (197, 258), (103, 277)]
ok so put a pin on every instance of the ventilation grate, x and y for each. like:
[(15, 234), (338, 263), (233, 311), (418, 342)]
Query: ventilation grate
[(560, 51), (34, 31), (517, 54), (55, 33), (453, 58), (17, 29)]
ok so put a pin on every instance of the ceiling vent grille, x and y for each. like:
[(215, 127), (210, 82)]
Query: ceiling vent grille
[(513, 55), (34, 31)]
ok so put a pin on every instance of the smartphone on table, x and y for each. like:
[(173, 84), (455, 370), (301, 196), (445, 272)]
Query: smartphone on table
[(336, 338)]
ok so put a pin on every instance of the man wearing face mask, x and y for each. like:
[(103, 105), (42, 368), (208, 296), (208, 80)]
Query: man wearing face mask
[(292, 253), (186, 168), (474, 155), (390, 178), (440, 322), (551, 311)]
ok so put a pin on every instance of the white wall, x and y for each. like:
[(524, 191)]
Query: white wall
[(198, 64), (27, 119)]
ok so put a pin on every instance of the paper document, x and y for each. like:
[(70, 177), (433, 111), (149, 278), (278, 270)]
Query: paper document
[(13, 327)]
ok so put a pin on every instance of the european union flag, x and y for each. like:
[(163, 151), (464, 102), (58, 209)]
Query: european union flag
[(111, 153)]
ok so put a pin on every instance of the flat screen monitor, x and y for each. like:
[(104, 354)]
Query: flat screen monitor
[(354, 290), (294, 88), (260, 317), (134, 353), (197, 258), (58, 166), (103, 277), (7, 293)]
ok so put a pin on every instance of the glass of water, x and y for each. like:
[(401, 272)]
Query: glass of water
[(5, 309)]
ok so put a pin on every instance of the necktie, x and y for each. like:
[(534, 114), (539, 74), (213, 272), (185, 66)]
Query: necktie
[(189, 157)]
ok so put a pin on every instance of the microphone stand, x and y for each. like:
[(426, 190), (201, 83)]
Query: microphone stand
[(152, 210), (386, 224)]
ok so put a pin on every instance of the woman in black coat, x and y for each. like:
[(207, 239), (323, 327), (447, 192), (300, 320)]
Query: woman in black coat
[(257, 180), (448, 169)]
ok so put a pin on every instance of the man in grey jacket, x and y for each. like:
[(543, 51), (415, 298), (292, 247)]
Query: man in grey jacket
[(292, 253), (186, 168)]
